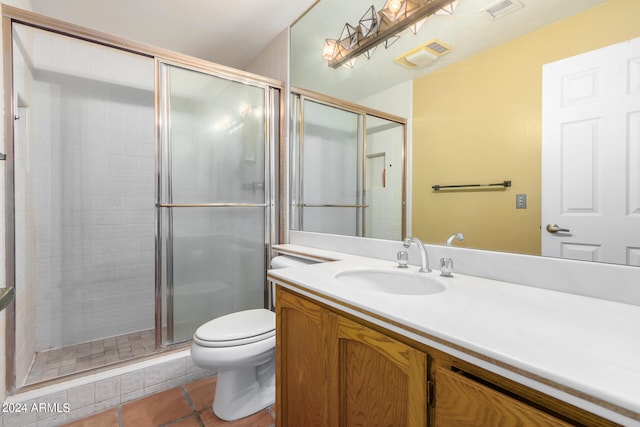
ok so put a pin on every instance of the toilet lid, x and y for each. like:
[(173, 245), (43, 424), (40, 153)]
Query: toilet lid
[(242, 327)]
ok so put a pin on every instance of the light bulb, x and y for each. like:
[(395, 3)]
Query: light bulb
[(329, 50), (393, 9), (394, 5)]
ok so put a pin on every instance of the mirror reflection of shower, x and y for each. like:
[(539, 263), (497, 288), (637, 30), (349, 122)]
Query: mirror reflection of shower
[(347, 170)]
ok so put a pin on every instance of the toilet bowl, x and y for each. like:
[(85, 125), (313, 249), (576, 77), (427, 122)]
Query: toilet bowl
[(241, 347)]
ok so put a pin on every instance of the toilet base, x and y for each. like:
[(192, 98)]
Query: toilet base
[(241, 392)]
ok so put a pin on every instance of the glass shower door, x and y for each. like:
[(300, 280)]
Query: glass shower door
[(214, 193), (329, 193), (384, 179)]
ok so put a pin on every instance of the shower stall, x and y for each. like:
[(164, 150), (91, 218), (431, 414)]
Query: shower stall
[(140, 194)]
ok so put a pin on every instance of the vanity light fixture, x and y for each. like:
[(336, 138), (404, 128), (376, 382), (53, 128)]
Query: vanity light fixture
[(398, 10), (369, 53), (414, 28), (449, 9), (349, 37), (370, 23), (350, 63), (391, 40), (383, 26), (329, 49)]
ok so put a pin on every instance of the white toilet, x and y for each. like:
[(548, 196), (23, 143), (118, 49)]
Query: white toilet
[(241, 347)]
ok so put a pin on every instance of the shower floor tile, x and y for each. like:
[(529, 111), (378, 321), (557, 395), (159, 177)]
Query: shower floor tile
[(89, 355)]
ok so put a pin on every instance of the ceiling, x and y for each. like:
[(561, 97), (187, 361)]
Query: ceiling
[(469, 31), (231, 33)]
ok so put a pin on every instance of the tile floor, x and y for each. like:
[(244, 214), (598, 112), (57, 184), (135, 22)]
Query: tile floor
[(76, 358), (185, 406)]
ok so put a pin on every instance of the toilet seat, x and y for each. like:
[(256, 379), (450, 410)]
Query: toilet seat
[(239, 328)]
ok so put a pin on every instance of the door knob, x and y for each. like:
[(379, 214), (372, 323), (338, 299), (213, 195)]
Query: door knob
[(554, 228)]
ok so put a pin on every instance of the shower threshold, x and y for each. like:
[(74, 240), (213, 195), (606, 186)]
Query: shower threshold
[(59, 362)]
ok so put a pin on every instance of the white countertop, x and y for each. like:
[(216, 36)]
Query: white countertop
[(588, 345)]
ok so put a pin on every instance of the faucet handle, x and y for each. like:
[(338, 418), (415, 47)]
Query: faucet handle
[(403, 259), (446, 267)]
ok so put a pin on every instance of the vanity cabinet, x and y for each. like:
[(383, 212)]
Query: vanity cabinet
[(381, 381), (334, 369), (304, 386), (461, 401)]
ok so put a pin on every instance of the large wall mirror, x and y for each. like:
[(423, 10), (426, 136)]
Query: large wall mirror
[(474, 114)]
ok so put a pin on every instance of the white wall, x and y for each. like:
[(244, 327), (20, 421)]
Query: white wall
[(273, 61), (397, 100)]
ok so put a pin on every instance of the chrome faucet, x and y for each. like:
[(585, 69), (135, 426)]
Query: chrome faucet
[(454, 236), (423, 252)]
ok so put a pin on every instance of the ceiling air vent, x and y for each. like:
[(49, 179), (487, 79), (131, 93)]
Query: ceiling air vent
[(502, 7), (423, 55), (438, 48)]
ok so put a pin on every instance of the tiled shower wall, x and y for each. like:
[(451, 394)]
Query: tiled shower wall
[(93, 163)]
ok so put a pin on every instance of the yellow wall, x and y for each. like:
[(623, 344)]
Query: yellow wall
[(479, 121)]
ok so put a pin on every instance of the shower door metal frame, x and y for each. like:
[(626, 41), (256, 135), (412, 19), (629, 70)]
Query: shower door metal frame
[(9, 210), (164, 168), (11, 15)]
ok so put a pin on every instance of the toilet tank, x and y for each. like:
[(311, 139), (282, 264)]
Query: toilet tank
[(284, 261)]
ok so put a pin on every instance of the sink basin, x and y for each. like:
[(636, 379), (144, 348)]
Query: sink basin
[(389, 281)]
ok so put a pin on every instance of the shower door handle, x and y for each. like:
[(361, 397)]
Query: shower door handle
[(310, 205), (212, 205)]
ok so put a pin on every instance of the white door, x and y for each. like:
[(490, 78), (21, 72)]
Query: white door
[(591, 156)]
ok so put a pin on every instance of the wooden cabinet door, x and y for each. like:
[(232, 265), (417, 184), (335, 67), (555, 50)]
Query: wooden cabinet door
[(304, 387), (461, 401), (382, 382)]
